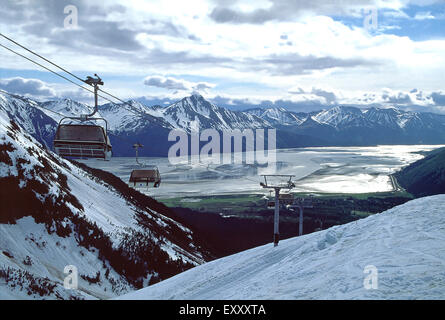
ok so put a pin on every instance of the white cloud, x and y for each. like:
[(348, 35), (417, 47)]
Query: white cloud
[(398, 14), (41, 90), (424, 16), (170, 83), (176, 39), (325, 97), (166, 83), (30, 87)]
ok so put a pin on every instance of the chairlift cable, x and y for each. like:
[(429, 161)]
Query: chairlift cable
[(41, 57), (56, 73), (46, 68), (54, 64), (65, 78), (70, 73), (78, 85), (64, 70)]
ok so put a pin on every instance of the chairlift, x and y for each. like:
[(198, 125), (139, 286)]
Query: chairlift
[(285, 199), (148, 175), (84, 139)]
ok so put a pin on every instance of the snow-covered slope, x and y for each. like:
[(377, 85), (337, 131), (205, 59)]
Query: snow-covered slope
[(26, 113), (131, 117), (406, 244), (342, 117), (55, 214), (390, 118), (66, 107)]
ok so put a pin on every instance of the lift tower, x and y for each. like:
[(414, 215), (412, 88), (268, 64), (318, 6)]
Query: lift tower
[(288, 184)]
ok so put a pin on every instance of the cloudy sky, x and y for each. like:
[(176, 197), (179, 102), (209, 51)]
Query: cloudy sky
[(296, 54)]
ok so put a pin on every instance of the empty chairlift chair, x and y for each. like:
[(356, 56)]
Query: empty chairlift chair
[(146, 175), (285, 199), (140, 177), (82, 141), (270, 205)]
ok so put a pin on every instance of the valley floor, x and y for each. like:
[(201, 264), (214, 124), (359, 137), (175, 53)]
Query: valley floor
[(316, 170)]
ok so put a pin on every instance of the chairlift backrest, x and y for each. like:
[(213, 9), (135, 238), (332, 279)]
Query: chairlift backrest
[(143, 175), (86, 133), (146, 176), (82, 141)]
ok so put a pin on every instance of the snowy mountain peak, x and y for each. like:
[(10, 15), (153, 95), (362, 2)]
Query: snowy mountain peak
[(341, 116), (130, 105), (278, 116), (68, 107), (197, 96), (195, 113)]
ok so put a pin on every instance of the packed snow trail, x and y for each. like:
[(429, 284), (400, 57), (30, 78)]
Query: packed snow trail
[(406, 244)]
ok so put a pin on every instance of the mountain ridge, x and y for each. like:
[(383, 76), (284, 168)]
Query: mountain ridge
[(134, 121), (426, 176)]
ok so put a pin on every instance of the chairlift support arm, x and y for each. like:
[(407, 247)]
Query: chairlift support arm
[(136, 146), (95, 83)]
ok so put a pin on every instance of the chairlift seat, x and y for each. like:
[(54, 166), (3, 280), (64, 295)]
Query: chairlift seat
[(146, 176), (270, 204), (286, 198), (82, 141)]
